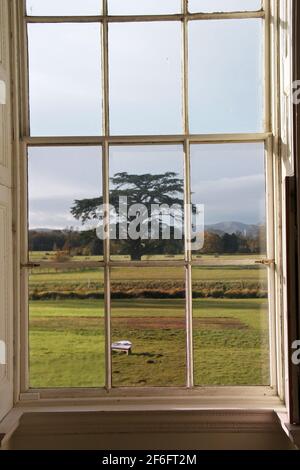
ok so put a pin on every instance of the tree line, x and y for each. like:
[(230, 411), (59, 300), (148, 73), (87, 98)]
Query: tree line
[(85, 243)]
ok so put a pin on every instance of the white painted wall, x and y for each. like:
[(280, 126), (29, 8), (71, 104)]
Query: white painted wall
[(6, 286)]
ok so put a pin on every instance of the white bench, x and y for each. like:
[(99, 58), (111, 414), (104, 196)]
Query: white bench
[(124, 346)]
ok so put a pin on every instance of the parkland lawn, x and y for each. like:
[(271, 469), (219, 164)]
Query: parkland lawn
[(67, 334)]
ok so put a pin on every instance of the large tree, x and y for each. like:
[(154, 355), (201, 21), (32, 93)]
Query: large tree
[(147, 189)]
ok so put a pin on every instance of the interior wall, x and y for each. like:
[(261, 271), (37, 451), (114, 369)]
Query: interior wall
[(6, 234), (295, 369)]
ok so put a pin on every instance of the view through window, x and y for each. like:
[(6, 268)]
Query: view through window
[(149, 194)]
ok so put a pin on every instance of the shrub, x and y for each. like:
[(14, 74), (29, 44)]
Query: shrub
[(216, 293), (61, 257)]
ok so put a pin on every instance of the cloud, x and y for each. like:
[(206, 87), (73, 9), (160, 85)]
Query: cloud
[(232, 199)]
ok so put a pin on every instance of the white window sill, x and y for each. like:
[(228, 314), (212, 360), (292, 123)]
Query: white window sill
[(201, 398), (47, 419)]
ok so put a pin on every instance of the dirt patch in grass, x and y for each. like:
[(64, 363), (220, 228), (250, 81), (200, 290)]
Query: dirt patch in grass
[(219, 323), (149, 323), (138, 323), (168, 323)]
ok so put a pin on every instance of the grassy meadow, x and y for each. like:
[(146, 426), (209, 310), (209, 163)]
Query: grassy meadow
[(148, 308)]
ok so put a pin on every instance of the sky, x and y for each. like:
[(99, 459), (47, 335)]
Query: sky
[(225, 95), (135, 7), (57, 177), (229, 180)]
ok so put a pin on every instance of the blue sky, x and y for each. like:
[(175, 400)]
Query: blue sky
[(225, 73)]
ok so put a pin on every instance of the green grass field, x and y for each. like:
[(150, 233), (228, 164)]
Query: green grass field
[(67, 335)]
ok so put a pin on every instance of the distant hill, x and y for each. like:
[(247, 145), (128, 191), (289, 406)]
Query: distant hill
[(248, 230), (44, 230)]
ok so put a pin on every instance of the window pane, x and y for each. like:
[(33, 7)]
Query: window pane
[(63, 7), (226, 76), (204, 6), (143, 7), (65, 190), (145, 78), (65, 82), (230, 326), (229, 179), (151, 178), (148, 311), (66, 328)]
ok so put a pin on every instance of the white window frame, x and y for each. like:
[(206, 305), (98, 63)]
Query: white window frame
[(265, 397)]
